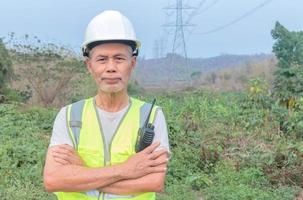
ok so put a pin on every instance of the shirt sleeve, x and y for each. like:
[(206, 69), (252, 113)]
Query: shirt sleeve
[(161, 132), (60, 133)]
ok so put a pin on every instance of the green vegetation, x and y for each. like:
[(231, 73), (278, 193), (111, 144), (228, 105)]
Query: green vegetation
[(229, 146), (222, 148), (6, 69), (24, 139), (288, 85)]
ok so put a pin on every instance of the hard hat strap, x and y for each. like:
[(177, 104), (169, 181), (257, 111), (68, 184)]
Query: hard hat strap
[(136, 52)]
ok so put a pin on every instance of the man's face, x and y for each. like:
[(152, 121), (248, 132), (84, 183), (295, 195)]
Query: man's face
[(111, 65)]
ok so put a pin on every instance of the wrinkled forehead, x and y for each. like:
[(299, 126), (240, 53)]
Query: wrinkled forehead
[(110, 49)]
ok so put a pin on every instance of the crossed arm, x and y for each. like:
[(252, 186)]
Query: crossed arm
[(142, 172)]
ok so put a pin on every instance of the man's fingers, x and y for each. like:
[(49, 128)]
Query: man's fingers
[(160, 161), (61, 155), (159, 169), (61, 161), (157, 154), (65, 148), (76, 160), (71, 159), (151, 148), (58, 152)]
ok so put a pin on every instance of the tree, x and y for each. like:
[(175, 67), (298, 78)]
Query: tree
[(288, 78), (6, 70), (48, 69)]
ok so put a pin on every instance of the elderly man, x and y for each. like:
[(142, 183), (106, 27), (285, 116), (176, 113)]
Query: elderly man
[(92, 153)]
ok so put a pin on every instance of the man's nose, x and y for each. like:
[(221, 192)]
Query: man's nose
[(111, 65)]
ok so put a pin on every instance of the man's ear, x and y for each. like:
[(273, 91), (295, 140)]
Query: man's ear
[(88, 65), (134, 62)]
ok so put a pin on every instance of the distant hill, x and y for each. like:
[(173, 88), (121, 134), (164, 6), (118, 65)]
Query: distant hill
[(172, 71)]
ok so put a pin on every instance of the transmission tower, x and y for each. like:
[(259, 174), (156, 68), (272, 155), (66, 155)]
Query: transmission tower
[(180, 11), (179, 44)]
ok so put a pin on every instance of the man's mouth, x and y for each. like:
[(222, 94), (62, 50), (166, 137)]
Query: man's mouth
[(111, 80)]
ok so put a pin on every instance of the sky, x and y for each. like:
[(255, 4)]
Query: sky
[(64, 22)]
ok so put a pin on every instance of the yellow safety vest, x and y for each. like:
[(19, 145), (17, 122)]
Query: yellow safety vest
[(86, 133)]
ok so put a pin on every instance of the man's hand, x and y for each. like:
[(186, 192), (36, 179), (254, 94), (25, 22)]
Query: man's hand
[(64, 171), (66, 155), (145, 162), (138, 165)]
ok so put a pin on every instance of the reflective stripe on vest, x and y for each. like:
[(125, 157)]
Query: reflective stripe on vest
[(74, 121), (86, 133)]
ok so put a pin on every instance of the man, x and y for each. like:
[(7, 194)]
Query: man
[(92, 150)]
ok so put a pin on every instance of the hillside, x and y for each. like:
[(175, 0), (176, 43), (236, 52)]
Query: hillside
[(172, 70)]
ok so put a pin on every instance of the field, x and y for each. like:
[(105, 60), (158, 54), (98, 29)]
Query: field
[(224, 146)]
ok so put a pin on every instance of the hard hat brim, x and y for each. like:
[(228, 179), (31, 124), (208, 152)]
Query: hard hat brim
[(131, 43), (88, 46)]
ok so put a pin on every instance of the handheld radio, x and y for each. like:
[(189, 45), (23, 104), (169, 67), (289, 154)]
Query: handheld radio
[(146, 133)]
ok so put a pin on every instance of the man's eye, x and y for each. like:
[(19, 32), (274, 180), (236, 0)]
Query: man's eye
[(101, 59), (120, 58)]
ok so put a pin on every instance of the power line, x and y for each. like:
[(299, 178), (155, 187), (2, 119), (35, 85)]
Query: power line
[(198, 11), (237, 19), (208, 7), (194, 13)]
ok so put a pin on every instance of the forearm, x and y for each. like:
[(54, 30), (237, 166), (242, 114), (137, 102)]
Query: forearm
[(73, 178), (64, 170), (76, 178), (150, 183)]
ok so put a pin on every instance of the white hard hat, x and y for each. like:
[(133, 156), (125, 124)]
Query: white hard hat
[(110, 26)]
